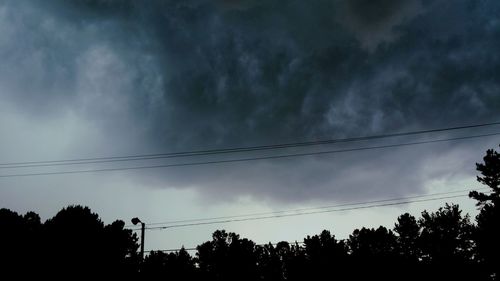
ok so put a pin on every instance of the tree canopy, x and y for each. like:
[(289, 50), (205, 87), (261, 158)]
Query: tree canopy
[(444, 244)]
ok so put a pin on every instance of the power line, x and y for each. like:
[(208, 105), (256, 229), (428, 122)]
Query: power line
[(250, 158), (172, 250), (338, 210), (195, 248), (310, 208), (301, 214), (95, 160)]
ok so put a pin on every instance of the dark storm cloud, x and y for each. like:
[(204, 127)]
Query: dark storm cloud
[(205, 74), (374, 12), (373, 22)]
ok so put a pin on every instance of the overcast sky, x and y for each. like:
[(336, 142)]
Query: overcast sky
[(97, 78)]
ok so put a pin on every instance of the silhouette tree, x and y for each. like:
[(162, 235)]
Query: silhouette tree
[(439, 245), (270, 261), (408, 232), (155, 265), (281, 262), (72, 241), (446, 242), (325, 256), (294, 261), (78, 243), (374, 251), (487, 235), (19, 239), (175, 266), (409, 252), (183, 265), (490, 171), (242, 258), (120, 249), (227, 257), (212, 256)]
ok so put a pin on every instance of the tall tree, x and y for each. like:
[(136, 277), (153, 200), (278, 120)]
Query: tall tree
[(20, 251), (488, 219), (294, 259), (325, 256), (227, 257), (490, 176), (408, 232), (72, 242), (77, 243), (375, 251), (270, 261), (120, 249), (446, 242), (174, 266)]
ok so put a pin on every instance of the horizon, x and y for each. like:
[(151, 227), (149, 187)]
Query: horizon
[(182, 110)]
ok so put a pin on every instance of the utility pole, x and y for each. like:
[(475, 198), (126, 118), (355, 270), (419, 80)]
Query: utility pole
[(135, 221), (143, 225)]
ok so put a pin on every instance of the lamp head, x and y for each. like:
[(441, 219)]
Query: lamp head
[(135, 221)]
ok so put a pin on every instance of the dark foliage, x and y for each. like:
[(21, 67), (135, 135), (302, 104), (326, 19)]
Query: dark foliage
[(440, 245), (74, 242), (487, 235)]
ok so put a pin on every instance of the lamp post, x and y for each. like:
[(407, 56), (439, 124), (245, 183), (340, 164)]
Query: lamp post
[(135, 221)]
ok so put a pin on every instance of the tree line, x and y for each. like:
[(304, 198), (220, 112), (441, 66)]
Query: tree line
[(445, 244)]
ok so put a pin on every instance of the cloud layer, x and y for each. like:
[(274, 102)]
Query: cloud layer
[(161, 76)]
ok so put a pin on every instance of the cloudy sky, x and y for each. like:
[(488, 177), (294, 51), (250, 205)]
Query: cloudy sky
[(106, 78)]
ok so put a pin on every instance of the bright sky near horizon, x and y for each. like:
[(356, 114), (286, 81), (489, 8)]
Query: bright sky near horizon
[(113, 78)]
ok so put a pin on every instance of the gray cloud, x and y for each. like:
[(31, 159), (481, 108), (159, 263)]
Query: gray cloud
[(182, 75), (375, 22)]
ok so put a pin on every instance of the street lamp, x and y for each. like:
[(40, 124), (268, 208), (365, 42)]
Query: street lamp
[(135, 221)]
